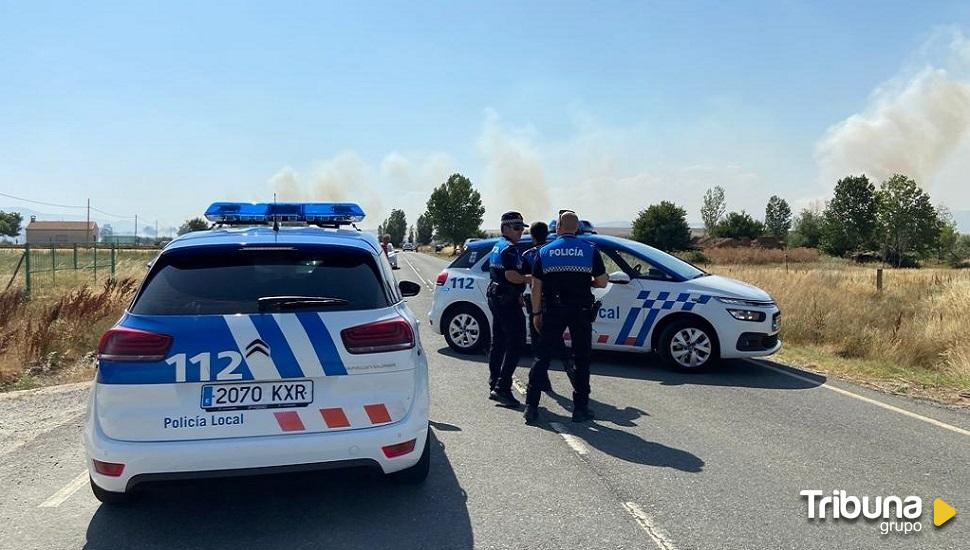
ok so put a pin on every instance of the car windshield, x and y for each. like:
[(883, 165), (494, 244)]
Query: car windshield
[(222, 281), (663, 260)]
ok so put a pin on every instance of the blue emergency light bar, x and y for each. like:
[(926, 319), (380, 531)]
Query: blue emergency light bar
[(336, 213)]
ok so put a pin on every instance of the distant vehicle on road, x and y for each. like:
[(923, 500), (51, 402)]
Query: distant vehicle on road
[(255, 350), (408, 247), (654, 302)]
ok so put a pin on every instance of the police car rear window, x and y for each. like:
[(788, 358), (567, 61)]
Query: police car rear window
[(222, 281), (469, 258)]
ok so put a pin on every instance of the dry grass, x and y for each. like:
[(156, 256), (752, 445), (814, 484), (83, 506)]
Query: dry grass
[(760, 256), (53, 336), (916, 328)]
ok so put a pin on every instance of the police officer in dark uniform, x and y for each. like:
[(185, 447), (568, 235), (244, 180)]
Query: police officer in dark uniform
[(539, 232), (562, 276), (508, 280)]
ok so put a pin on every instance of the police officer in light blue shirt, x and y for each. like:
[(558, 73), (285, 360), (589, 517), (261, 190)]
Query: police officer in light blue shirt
[(508, 281), (562, 276)]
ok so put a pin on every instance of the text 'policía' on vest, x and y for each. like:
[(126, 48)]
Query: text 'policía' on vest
[(566, 252)]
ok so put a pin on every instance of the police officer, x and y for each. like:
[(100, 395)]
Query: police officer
[(539, 232), (508, 280), (561, 279)]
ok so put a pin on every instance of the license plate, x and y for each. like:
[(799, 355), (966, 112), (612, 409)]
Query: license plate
[(257, 395)]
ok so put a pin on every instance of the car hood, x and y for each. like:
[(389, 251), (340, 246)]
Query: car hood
[(729, 288)]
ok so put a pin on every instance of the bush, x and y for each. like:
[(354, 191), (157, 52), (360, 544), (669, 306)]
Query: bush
[(739, 225), (695, 257), (663, 226)]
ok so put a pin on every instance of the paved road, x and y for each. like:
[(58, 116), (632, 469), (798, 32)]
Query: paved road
[(712, 460)]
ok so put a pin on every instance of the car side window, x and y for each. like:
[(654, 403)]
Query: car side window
[(634, 266)]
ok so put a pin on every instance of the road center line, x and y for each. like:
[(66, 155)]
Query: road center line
[(875, 402), (427, 282), (656, 535), (574, 442), (66, 491)]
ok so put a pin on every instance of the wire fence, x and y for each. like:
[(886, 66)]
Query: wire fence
[(36, 266)]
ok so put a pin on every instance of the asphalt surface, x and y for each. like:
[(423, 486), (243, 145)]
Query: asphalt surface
[(711, 460)]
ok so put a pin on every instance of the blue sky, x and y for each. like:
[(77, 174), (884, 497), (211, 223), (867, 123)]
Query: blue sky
[(160, 108)]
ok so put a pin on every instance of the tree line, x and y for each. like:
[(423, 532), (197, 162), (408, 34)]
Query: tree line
[(895, 223)]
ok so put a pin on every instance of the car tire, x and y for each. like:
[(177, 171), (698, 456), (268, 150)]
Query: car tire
[(471, 331), (109, 497), (688, 346), (419, 472)]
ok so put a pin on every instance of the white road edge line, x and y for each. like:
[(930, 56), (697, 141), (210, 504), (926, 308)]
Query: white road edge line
[(656, 535), (427, 282), (886, 406), (574, 442), (66, 491)]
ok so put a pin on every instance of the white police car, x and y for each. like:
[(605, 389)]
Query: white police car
[(253, 349), (654, 302)]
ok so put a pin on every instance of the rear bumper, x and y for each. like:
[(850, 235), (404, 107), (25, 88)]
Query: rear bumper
[(149, 461)]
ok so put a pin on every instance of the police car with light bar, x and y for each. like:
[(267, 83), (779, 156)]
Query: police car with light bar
[(259, 347), (653, 302)]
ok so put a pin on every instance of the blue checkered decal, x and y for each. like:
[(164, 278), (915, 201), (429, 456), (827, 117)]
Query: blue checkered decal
[(653, 306)]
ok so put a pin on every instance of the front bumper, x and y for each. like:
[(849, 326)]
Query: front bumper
[(147, 461)]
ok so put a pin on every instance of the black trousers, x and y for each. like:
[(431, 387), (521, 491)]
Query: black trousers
[(575, 361), (508, 339)]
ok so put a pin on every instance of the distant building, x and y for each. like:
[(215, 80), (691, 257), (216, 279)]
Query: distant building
[(60, 233), (120, 239)]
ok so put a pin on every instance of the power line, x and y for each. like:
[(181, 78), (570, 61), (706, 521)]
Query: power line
[(79, 207), (43, 203)]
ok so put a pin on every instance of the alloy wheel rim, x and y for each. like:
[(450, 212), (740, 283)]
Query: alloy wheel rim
[(464, 330), (690, 347)]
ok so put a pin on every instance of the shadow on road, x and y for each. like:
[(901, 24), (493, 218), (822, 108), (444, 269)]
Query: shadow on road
[(638, 366), (331, 509), (619, 443)]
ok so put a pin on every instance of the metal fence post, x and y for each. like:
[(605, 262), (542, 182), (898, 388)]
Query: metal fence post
[(27, 267), (112, 261), (879, 279), (95, 262), (53, 264), (75, 256)]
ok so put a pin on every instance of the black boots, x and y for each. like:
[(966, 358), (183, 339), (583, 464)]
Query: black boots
[(531, 414), (504, 397), (581, 412)]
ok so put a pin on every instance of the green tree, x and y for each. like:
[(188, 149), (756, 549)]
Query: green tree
[(908, 223), (396, 225), (194, 224), (456, 210), (10, 223), (425, 230), (807, 230), (949, 235), (714, 207), (850, 217), (777, 217), (663, 226), (739, 225)]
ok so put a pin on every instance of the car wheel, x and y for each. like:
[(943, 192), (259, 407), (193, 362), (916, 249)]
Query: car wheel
[(466, 330), (109, 497), (419, 472), (688, 345)]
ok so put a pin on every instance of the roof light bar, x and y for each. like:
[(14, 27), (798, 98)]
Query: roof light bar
[(338, 213)]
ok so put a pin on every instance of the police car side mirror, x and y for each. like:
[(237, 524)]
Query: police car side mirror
[(619, 278), (409, 288)]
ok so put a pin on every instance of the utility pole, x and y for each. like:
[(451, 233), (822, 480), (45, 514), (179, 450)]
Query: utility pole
[(87, 227)]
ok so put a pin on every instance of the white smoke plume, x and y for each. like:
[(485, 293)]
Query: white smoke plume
[(514, 175), (915, 125)]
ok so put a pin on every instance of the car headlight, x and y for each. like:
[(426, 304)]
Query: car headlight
[(747, 315)]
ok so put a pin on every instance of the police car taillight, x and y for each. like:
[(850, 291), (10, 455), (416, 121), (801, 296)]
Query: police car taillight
[(442, 278), (390, 335), (129, 344)]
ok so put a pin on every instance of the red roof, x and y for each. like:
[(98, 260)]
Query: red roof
[(62, 226)]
